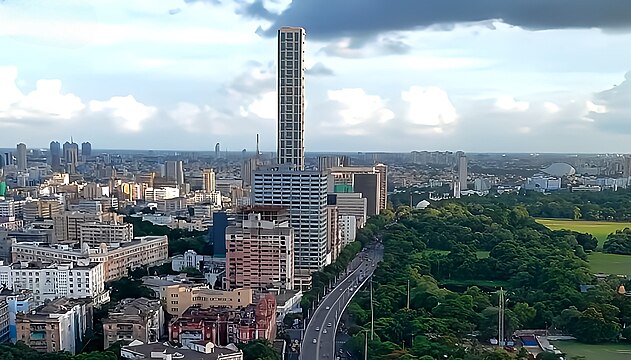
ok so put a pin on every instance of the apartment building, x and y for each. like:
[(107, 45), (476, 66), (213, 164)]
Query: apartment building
[(259, 254), (178, 298), (4, 320), (68, 224), (348, 229), (18, 302), (134, 319), (44, 208), (56, 326), (95, 233), (199, 350), (116, 259), (52, 281), (350, 204)]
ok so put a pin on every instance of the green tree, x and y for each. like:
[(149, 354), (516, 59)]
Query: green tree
[(259, 350)]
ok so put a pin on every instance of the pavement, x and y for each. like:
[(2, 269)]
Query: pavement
[(320, 332)]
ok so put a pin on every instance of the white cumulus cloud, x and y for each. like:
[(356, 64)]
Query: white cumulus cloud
[(354, 107), (508, 103), (429, 106), (126, 112)]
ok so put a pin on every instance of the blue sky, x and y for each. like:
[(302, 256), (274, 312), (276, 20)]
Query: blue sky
[(432, 75)]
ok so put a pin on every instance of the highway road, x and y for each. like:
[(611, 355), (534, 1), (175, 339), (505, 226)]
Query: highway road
[(319, 338)]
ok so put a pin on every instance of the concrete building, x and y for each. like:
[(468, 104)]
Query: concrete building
[(260, 255), (351, 204), (210, 185), (68, 224), (369, 186), (20, 155), (17, 302), (163, 193), (54, 155), (95, 233), (43, 208), (462, 170), (179, 297), (71, 157), (117, 259), (174, 171), (370, 181), (223, 325), (196, 350), (190, 259), (4, 320), (51, 281), (348, 229), (86, 149), (7, 208), (291, 96), (56, 326), (333, 232), (304, 194), (134, 319)]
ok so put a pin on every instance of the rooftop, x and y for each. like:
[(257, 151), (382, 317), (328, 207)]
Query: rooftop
[(162, 349)]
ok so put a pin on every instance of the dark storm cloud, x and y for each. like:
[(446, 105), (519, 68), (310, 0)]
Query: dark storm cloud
[(319, 69), (327, 19)]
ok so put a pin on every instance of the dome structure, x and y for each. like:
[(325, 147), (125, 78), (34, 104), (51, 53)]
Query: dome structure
[(560, 170), (422, 204)]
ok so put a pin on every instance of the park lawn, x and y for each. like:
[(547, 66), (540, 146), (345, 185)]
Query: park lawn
[(600, 229), (595, 352), (614, 264)]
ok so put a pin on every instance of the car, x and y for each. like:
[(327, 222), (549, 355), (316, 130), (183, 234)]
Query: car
[(328, 308), (318, 328), (329, 325), (324, 331), (314, 341)]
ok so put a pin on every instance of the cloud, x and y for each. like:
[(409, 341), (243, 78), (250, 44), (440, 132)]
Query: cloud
[(352, 48), (319, 69), (256, 10), (256, 79), (127, 113), (199, 119), (46, 101), (354, 112), (508, 103), (429, 107), (611, 109), (264, 106), (327, 19)]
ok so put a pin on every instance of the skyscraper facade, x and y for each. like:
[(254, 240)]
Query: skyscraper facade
[(210, 185), (54, 155), (71, 157), (304, 194), (174, 170), (291, 96), (86, 149), (20, 155), (462, 170)]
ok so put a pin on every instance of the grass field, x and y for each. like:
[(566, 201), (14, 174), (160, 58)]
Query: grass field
[(610, 264), (600, 229), (595, 352)]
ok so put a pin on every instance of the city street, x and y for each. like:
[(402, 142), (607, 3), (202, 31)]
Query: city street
[(319, 338)]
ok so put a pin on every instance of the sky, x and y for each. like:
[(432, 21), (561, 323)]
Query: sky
[(382, 75)]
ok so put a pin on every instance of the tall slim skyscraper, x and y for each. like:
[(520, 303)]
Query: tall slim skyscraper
[(54, 156), (217, 150), (71, 156), (209, 180), (291, 96), (462, 170), (20, 155), (86, 149), (174, 170)]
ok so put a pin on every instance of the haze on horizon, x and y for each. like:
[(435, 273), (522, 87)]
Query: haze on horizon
[(185, 74)]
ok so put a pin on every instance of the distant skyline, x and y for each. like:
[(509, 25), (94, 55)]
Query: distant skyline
[(494, 76)]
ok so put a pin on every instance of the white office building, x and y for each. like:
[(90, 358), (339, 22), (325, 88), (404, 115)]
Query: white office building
[(52, 281), (348, 228)]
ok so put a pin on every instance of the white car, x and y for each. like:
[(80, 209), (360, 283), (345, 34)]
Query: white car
[(329, 325), (318, 328), (328, 308), (314, 341), (324, 331)]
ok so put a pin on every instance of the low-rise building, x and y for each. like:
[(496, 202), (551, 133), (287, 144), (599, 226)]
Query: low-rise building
[(134, 319), (95, 233), (223, 325), (116, 259), (197, 350), (178, 298), (190, 259), (4, 320), (18, 302), (52, 281), (56, 326)]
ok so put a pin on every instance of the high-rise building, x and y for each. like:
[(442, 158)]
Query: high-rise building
[(371, 181), (260, 255), (174, 171), (86, 149), (217, 150), (291, 96), (462, 170), (626, 170), (382, 170), (54, 156), (304, 194), (20, 154), (210, 186), (71, 157)]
